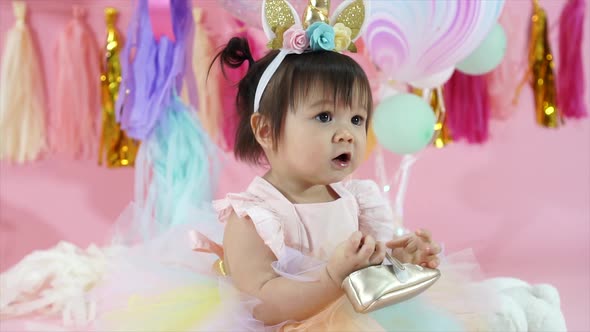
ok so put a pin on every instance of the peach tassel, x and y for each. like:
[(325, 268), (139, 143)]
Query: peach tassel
[(209, 108)]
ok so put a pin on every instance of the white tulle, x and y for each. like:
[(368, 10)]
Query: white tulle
[(54, 281)]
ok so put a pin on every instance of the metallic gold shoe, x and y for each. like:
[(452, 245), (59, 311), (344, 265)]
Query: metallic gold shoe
[(379, 286)]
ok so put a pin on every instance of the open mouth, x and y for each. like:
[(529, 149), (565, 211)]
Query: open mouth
[(343, 160)]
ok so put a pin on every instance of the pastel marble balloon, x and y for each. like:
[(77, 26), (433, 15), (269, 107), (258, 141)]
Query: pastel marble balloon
[(412, 40)]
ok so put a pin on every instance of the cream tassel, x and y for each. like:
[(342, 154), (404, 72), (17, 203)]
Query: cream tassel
[(22, 122)]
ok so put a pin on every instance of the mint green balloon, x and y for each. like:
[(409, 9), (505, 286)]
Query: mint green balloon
[(487, 55), (404, 123)]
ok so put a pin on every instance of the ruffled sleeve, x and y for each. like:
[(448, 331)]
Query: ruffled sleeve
[(266, 222), (290, 263), (375, 214)]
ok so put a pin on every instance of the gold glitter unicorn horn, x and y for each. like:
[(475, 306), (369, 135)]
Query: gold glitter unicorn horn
[(316, 11)]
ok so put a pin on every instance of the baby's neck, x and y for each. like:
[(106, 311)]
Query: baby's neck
[(300, 192)]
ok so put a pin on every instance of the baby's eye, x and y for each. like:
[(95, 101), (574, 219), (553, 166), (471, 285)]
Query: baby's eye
[(324, 117), (357, 120)]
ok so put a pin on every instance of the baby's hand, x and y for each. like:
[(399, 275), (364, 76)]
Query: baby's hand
[(416, 248), (354, 254)]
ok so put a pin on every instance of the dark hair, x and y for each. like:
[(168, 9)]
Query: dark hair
[(291, 83)]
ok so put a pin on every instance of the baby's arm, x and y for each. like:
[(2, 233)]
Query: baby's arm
[(249, 263)]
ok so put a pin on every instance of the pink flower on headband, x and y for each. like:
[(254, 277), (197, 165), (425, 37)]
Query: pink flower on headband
[(295, 39)]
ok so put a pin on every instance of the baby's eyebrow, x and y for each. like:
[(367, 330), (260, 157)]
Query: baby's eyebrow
[(321, 102)]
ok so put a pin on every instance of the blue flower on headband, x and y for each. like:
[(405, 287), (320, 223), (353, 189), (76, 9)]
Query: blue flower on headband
[(321, 36)]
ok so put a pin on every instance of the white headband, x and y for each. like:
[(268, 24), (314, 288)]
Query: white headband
[(267, 75)]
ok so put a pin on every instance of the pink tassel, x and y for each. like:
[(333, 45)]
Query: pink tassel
[(501, 81), (208, 82), (22, 121), (570, 78), (74, 125), (468, 107), (230, 118)]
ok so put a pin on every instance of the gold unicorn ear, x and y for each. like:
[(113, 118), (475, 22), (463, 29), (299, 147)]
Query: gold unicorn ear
[(351, 13), (277, 17)]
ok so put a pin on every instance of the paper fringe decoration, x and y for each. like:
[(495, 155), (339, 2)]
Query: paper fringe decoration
[(176, 171), (208, 87), (116, 148), (467, 107), (152, 70), (176, 168), (501, 82), (74, 126), (230, 118), (571, 81), (442, 135), (540, 72), (22, 121)]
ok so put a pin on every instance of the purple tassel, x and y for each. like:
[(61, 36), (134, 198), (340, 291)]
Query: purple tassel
[(570, 78), (152, 70), (468, 107)]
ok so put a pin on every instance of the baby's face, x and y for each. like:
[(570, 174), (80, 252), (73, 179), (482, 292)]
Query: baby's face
[(322, 143)]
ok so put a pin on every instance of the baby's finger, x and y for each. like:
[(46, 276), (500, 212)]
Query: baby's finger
[(401, 242), (434, 249), (433, 262), (379, 254), (354, 241), (368, 248), (412, 246), (425, 234)]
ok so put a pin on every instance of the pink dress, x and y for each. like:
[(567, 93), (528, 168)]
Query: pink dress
[(169, 283)]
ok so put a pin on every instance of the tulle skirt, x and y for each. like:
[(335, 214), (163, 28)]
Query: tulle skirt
[(169, 283), (164, 285)]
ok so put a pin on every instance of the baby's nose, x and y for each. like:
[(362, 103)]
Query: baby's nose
[(343, 136)]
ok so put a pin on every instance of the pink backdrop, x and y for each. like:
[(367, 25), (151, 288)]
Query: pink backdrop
[(521, 201)]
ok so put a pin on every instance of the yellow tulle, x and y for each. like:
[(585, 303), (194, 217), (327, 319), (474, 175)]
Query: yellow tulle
[(22, 122), (177, 310)]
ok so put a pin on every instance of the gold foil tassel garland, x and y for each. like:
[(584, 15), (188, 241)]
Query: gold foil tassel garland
[(540, 72), (442, 135), (541, 62), (116, 147)]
